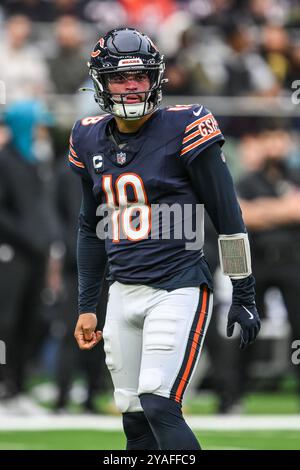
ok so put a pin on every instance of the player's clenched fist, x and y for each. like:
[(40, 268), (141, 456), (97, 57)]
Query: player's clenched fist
[(85, 331)]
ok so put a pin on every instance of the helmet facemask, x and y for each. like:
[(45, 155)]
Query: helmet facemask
[(121, 51), (116, 103)]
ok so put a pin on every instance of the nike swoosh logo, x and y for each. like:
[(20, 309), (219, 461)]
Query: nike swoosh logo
[(197, 113), (250, 314)]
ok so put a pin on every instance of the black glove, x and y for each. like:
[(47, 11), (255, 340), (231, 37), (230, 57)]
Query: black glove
[(248, 319)]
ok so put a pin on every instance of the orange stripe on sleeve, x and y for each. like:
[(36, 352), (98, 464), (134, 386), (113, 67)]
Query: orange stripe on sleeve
[(81, 165), (72, 151), (191, 136), (200, 141), (198, 121)]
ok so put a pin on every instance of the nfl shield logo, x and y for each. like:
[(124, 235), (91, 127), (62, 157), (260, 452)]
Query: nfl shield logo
[(121, 158)]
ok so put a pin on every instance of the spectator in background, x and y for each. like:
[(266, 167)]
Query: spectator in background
[(294, 65), (270, 202), (178, 67), (67, 67), (214, 12), (70, 360), (277, 11), (45, 10), (195, 65), (275, 47), (251, 154), (4, 136), (35, 10), (27, 229), (106, 13), (22, 67), (247, 71), (69, 7), (204, 64)]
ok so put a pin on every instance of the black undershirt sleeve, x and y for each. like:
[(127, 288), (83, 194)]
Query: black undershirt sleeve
[(213, 184), (91, 255)]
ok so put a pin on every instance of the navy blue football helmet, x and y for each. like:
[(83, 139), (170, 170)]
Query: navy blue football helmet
[(126, 50)]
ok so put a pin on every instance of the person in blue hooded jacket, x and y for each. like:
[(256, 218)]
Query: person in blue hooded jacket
[(27, 228)]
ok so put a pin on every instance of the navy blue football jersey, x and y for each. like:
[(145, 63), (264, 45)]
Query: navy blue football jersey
[(149, 169)]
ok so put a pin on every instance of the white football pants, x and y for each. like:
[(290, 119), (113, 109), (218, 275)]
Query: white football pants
[(153, 340)]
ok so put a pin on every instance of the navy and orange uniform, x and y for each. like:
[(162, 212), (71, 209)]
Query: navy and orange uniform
[(175, 158)]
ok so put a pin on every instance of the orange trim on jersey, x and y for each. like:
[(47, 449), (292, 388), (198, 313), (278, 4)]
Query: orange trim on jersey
[(90, 120), (111, 202), (200, 141), (109, 194), (72, 151), (191, 136), (194, 134), (198, 121), (196, 339), (81, 165)]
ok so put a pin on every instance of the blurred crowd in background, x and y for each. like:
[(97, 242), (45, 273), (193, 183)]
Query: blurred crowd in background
[(216, 52), (223, 47)]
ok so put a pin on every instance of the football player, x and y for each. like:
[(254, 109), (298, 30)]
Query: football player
[(133, 159)]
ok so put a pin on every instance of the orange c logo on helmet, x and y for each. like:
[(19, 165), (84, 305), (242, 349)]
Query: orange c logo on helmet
[(98, 52)]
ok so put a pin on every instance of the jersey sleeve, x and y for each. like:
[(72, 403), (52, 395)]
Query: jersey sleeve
[(201, 131), (76, 161)]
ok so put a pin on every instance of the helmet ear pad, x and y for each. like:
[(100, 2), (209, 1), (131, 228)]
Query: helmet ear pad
[(123, 50)]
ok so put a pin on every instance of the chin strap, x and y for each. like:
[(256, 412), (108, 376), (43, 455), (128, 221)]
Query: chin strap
[(132, 111)]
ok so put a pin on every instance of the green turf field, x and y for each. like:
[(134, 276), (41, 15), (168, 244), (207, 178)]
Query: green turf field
[(259, 403), (280, 402), (85, 440), (254, 404)]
